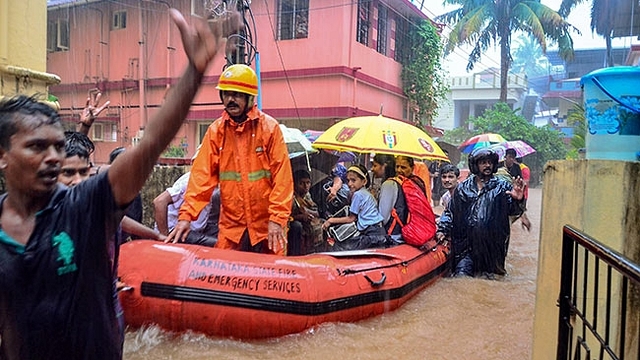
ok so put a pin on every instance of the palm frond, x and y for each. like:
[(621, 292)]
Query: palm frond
[(531, 23), (566, 6), (473, 23), (480, 46)]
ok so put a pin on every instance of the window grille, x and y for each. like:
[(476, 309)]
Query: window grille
[(293, 19), (364, 14)]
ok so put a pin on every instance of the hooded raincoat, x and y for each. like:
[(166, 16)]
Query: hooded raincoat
[(479, 227), (251, 164)]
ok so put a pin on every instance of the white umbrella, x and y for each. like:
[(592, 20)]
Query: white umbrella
[(297, 143)]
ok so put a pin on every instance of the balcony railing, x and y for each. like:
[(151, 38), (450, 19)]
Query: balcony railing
[(599, 301)]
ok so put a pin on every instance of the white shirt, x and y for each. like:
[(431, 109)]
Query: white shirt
[(177, 196)]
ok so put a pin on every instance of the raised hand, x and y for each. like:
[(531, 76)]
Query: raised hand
[(518, 189), (91, 111)]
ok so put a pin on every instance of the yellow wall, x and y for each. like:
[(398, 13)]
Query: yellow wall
[(598, 197), (23, 42)]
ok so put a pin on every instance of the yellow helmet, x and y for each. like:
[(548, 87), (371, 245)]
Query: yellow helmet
[(239, 78)]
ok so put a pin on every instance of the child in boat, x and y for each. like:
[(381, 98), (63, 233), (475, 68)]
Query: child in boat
[(363, 211), (305, 228)]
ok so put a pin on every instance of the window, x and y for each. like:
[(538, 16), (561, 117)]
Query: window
[(107, 131), (52, 34), (197, 8), (403, 41), (383, 14), (364, 12), (58, 35), (293, 19), (119, 20)]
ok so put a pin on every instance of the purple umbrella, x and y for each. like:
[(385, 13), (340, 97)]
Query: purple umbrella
[(522, 148)]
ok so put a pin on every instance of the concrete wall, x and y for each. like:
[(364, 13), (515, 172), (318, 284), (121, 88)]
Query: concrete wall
[(600, 198), (23, 60)]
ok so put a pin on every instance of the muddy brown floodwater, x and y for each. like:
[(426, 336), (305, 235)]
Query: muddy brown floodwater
[(452, 319)]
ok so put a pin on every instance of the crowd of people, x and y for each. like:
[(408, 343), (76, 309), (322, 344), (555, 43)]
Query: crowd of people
[(62, 220), (58, 243)]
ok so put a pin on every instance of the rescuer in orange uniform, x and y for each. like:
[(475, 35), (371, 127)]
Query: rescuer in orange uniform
[(244, 152)]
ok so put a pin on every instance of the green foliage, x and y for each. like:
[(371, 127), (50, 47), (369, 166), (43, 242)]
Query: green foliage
[(528, 57), (578, 119), (458, 135), (423, 78), (502, 120), (174, 151)]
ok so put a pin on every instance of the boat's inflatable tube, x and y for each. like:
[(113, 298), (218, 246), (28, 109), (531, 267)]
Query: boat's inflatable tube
[(246, 295)]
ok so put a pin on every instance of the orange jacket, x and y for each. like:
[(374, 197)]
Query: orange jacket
[(251, 163), (422, 171)]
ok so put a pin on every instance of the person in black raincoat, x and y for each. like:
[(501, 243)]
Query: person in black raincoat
[(477, 219)]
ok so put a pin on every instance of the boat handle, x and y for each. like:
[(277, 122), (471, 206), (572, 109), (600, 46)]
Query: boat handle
[(376, 283)]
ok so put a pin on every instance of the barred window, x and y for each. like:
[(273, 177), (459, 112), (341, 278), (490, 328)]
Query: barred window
[(107, 131), (363, 26), (383, 19), (293, 19), (403, 40)]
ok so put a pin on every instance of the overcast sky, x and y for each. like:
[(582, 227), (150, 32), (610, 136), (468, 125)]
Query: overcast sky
[(580, 17)]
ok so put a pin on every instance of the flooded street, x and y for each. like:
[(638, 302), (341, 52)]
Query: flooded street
[(453, 319)]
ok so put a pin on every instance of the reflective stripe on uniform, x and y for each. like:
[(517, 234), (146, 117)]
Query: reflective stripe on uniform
[(230, 176), (259, 175)]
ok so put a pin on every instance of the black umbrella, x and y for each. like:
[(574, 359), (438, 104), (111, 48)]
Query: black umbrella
[(321, 163)]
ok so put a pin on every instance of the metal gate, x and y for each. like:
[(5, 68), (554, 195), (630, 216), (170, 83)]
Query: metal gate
[(599, 301)]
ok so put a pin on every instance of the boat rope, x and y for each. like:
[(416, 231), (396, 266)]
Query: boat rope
[(425, 251)]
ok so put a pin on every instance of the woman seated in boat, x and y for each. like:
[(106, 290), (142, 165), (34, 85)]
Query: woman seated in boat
[(384, 167), (363, 211), (405, 207), (305, 228)]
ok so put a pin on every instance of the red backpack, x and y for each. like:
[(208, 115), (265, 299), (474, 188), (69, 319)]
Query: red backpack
[(421, 222)]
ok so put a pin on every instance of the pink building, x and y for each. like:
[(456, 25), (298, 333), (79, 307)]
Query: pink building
[(320, 61)]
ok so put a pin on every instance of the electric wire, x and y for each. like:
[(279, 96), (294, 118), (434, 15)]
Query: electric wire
[(286, 76)]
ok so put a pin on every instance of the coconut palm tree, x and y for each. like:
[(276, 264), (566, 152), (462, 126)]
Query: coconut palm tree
[(528, 57), (603, 19), (482, 22)]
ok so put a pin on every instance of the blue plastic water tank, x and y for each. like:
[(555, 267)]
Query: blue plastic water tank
[(612, 109)]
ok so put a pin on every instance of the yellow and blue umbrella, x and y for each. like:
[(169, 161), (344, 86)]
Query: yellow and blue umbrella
[(380, 135)]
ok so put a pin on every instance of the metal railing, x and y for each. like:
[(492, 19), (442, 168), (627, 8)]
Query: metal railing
[(599, 301)]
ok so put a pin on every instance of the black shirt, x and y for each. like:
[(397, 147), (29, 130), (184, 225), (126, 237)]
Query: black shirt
[(57, 291), (514, 170)]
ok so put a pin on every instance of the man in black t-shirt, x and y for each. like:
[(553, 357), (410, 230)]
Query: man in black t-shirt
[(510, 163), (55, 272)]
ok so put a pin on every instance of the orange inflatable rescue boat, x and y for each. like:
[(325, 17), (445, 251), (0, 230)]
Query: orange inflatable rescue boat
[(246, 295)]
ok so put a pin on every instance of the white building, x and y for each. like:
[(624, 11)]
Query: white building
[(472, 95)]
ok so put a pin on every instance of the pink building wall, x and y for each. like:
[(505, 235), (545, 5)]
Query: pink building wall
[(307, 83)]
